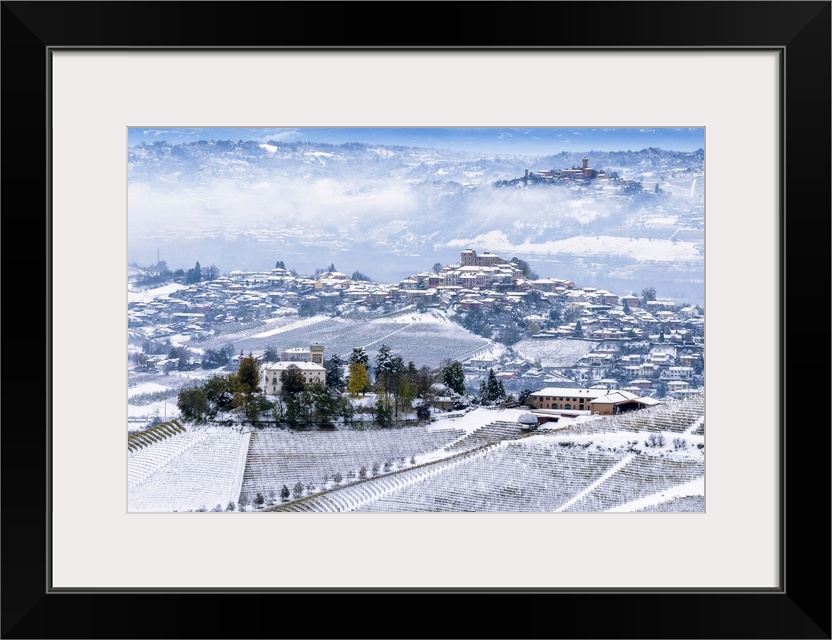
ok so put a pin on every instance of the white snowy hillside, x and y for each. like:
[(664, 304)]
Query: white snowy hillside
[(390, 210), (484, 460)]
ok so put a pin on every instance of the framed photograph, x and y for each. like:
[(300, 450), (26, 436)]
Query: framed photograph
[(92, 90), (421, 375)]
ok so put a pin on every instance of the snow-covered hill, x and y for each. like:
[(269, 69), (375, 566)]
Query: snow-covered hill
[(389, 211)]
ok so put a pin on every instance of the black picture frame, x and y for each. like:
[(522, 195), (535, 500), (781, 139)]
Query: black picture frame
[(31, 608)]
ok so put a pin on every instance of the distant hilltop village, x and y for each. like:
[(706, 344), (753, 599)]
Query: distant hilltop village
[(584, 175), (491, 296), (585, 172), (478, 280)]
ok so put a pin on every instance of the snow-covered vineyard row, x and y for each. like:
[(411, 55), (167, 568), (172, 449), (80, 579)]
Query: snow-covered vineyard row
[(278, 457), (685, 415), (638, 477), (206, 472), (159, 433), (425, 342), (686, 504), (146, 461), (554, 353), (496, 431), (373, 491), (458, 465), (513, 477), (516, 477)]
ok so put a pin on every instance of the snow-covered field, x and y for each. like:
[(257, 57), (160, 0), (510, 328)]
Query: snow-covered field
[(205, 473), (475, 461), (143, 403), (426, 339), (476, 419), (554, 352), (145, 387), (148, 295), (291, 326)]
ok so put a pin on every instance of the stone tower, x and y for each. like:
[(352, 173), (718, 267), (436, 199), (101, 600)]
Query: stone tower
[(316, 354)]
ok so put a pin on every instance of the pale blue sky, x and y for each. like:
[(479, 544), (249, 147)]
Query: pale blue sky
[(521, 140)]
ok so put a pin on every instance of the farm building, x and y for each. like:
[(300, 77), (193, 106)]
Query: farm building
[(617, 402)]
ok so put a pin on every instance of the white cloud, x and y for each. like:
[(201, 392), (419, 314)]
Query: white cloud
[(639, 249)]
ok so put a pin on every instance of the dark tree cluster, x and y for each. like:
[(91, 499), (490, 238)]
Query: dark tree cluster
[(214, 359), (236, 393), (492, 390)]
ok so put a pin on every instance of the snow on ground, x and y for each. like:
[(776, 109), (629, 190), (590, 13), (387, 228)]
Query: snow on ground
[(299, 324), (477, 418), (619, 440), (179, 339), (554, 352), (661, 221), (692, 488), (494, 350), (145, 387), (622, 439), (431, 316), (369, 400), (174, 379), (147, 295), (139, 417), (164, 409), (365, 400)]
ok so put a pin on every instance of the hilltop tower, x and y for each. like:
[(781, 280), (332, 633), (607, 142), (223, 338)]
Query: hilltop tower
[(316, 354), (586, 169)]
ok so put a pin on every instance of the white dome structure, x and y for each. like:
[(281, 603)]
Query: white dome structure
[(528, 419)]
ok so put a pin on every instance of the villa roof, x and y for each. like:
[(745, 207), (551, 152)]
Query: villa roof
[(616, 397)]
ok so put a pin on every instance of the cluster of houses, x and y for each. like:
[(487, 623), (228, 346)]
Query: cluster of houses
[(485, 281), (478, 281), (673, 334), (652, 369), (594, 183)]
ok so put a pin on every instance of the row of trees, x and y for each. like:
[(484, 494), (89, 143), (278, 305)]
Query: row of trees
[(183, 359), (397, 385), (198, 274), (235, 392), (160, 273)]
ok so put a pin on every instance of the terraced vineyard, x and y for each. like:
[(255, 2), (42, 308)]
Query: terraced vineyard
[(642, 475), (515, 477), (189, 471), (488, 466), (677, 416), (522, 476), (685, 504), (279, 457), (494, 432), (555, 352), (159, 433), (426, 342)]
